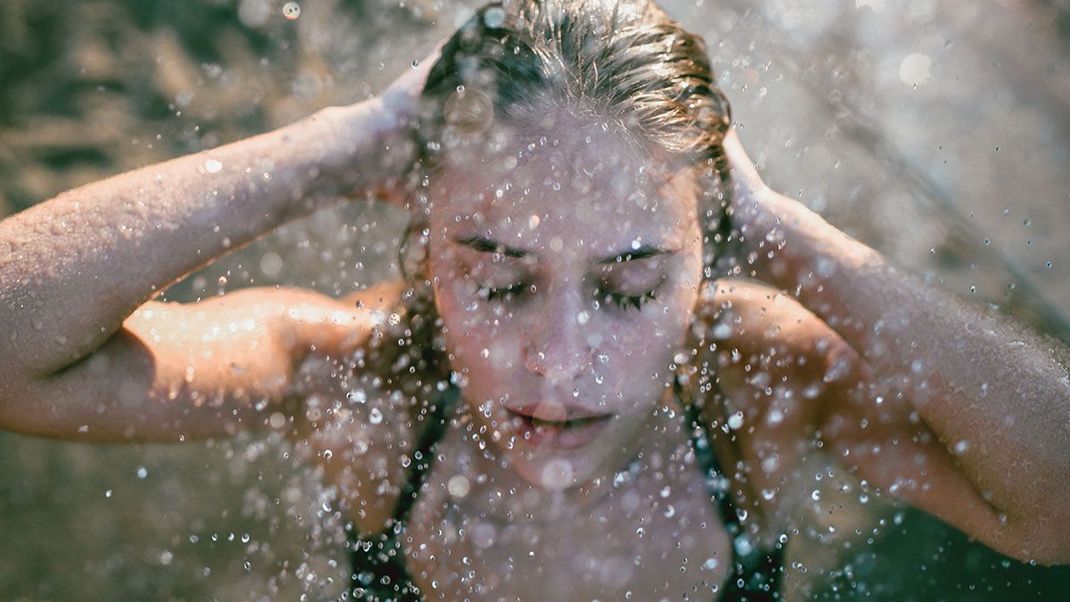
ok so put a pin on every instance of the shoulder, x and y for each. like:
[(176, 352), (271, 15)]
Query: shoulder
[(367, 405), (771, 362)]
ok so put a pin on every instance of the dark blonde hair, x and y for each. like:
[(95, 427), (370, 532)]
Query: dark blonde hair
[(625, 62)]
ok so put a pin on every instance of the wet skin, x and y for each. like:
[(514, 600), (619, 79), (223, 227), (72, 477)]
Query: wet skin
[(566, 268), (924, 396), (565, 275)]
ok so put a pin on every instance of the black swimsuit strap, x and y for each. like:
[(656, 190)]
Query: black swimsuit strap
[(756, 573), (424, 456)]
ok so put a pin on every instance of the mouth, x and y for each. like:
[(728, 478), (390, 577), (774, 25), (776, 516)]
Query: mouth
[(564, 430)]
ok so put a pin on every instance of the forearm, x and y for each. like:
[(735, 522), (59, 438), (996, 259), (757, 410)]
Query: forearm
[(994, 393), (73, 268)]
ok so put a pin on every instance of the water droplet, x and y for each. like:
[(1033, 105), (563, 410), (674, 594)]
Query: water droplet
[(721, 331), (744, 546), (291, 10), (557, 474), (735, 421), (484, 535), (277, 420), (142, 472), (375, 416), (458, 486), (494, 17), (914, 70), (213, 165)]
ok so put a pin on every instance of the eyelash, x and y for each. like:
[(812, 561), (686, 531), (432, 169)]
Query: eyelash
[(619, 300)]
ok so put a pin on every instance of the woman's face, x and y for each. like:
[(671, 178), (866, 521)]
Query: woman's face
[(566, 265)]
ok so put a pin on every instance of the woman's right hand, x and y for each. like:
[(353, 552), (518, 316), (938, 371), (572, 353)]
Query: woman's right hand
[(384, 129), (74, 361)]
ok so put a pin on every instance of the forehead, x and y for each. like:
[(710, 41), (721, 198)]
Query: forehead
[(573, 181)]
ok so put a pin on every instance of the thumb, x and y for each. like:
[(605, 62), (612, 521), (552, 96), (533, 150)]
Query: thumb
[(744, 172)]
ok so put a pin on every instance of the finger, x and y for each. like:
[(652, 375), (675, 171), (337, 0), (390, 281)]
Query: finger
[(743, 167)]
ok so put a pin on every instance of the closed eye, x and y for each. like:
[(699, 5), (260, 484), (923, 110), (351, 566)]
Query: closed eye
[(507, 293), (626, 302), (615, 299)]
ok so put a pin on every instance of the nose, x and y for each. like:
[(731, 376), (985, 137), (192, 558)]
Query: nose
[(559, 351)]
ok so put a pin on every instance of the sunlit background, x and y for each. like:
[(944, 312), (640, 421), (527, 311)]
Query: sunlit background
[(937, 132)]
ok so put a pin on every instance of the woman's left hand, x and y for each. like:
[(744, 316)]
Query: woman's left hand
[(973, 390)]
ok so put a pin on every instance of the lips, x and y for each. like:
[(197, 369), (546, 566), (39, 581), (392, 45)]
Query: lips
[(556, 426)]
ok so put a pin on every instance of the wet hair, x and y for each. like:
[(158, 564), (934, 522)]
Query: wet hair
[(621, 62)]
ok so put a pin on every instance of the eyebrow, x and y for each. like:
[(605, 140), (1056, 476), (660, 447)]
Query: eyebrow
[(486, 245)]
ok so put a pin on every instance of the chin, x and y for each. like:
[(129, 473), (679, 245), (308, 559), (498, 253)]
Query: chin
[(557, 470)]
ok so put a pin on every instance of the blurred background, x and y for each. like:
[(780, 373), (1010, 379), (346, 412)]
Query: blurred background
[(936, 131)]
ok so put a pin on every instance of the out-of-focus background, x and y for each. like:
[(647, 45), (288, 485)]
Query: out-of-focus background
[(936, 131)]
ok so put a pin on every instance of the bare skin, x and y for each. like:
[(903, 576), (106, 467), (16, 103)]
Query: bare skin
[(959, 412)]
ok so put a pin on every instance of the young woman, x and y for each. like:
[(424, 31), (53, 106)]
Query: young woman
[(560, 401)]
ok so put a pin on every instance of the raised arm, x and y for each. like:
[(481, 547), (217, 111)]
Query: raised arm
[(949, 406), (74, 269)]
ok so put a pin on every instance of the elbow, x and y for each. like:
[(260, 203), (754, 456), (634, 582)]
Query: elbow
[(1046, 547), (1042, 537)]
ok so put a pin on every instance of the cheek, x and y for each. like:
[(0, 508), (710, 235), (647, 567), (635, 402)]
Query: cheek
[(481, 337)]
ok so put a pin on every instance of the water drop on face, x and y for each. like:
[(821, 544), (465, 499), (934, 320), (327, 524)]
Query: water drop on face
[(557, 474), (484, 535), (375, 416), (213, 166), (291, 10), (458, 486)]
